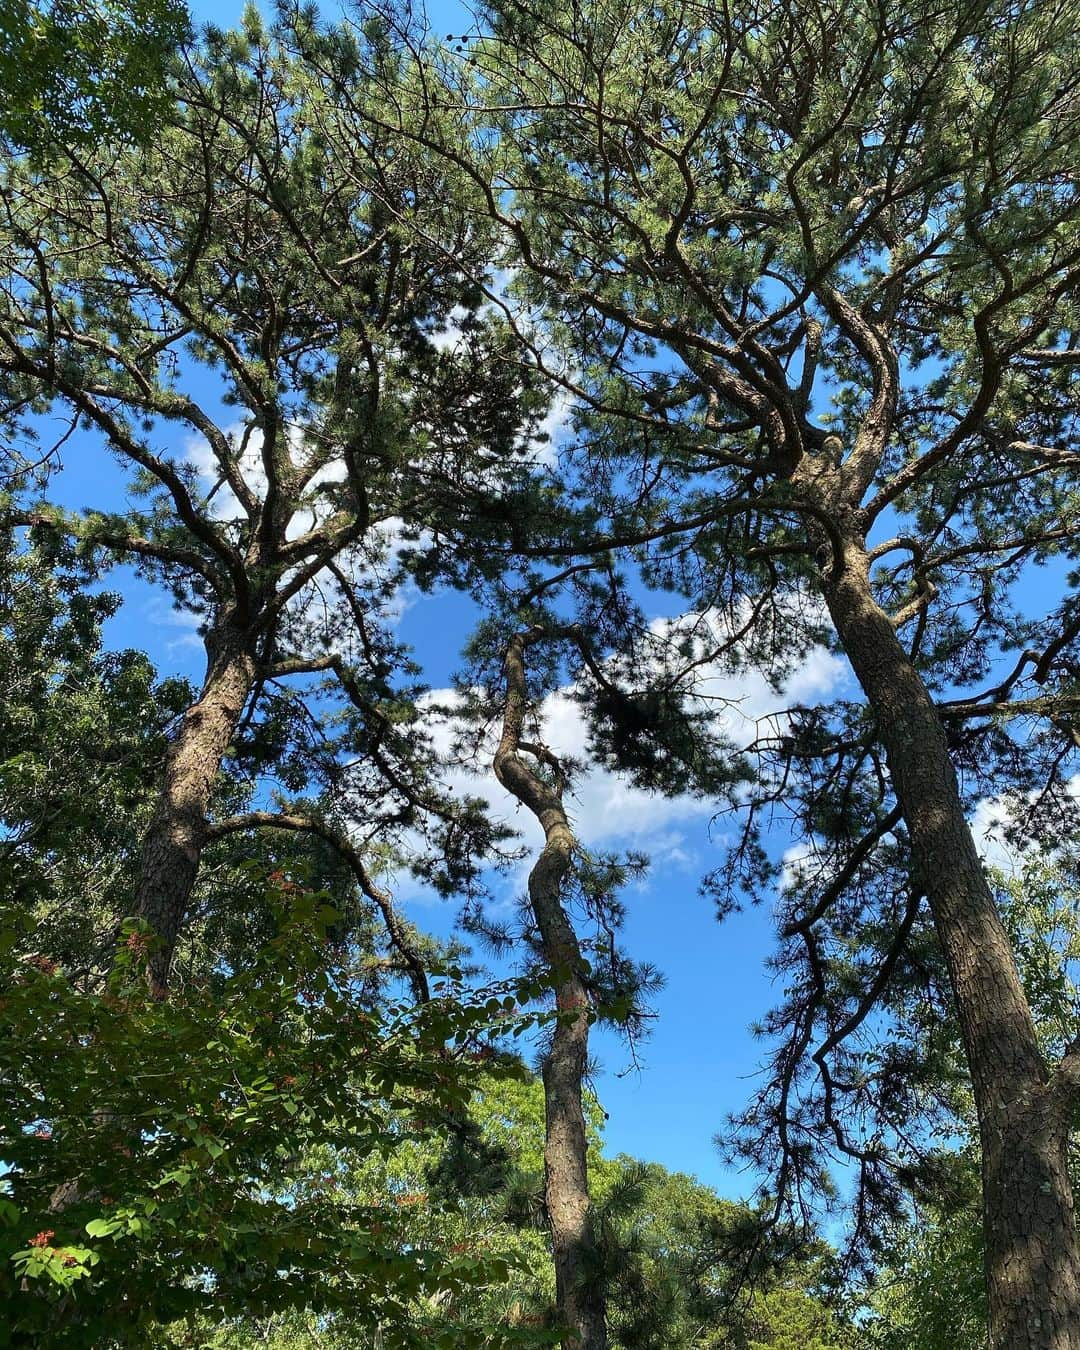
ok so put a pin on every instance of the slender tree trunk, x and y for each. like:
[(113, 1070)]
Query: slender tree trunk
[(566, 1182), (1032, 1256), (173, 844), (579, 1293)]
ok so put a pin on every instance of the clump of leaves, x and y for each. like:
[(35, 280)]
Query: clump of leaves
[(77, 71), (152, 1148)]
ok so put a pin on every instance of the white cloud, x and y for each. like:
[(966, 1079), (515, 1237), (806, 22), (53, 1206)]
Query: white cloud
[(604, 807), (553, 432), (446, 339), (990, 822), (183, 622), (306, 519), (379, 552), (224, 505), (800, 862)]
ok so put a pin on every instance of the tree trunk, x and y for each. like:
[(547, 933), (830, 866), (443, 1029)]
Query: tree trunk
[(169, 861), (1032, 1256), (579, 1292)]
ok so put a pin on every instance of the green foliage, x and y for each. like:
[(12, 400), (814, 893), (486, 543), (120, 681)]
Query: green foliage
[(929, 1289), (478, 1188), (660, 740), (686, 1268), (813, 269), (1040, 907), (790, 1319), (154, 1150), (75, 72), (82, 732), (670, 1249), (344, 448), (739, 231)]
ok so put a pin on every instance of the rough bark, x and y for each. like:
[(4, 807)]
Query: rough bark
[(566, 1182), (1032, 1255), (174, 841), (579, 1295)]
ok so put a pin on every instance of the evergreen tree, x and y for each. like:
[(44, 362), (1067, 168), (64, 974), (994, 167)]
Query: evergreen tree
[(234, 288), (808, 275)]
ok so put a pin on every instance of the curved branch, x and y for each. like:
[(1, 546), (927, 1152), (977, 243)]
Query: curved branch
[(565, 1150), (383, 901)]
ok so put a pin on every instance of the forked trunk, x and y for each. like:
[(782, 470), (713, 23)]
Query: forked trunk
[(173, 845), (1032, 1258)]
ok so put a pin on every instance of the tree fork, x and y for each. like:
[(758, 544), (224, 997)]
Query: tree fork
[(1032, 1254)]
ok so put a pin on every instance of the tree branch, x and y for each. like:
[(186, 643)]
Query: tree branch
[(396, 929)]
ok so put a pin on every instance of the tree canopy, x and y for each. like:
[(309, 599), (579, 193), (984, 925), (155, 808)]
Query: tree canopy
[(798, 285)]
